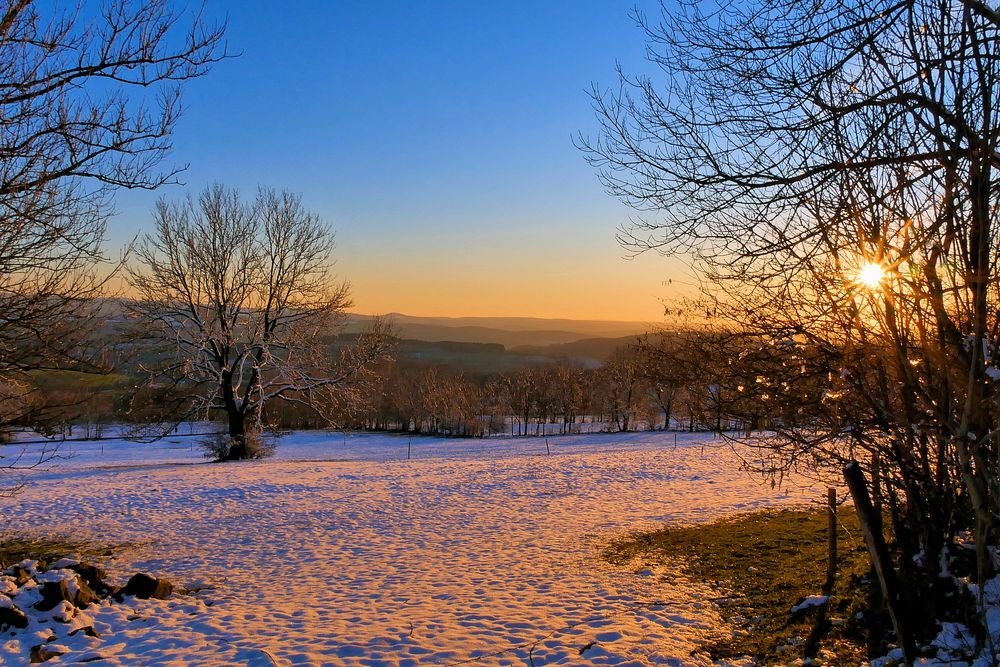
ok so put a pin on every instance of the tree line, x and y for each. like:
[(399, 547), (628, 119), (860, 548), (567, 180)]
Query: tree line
[(650, 385), (654, 384)]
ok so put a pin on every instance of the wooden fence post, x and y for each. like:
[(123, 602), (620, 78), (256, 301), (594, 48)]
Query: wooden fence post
[(822, 626), (831, 533), (881, 562)]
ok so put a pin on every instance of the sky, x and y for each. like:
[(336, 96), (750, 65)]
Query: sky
[(436, 138)]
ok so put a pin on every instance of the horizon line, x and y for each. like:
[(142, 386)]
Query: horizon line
[(502, 317)]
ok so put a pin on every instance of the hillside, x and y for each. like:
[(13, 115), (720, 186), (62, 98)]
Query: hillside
[(587, 348), (510, 332)]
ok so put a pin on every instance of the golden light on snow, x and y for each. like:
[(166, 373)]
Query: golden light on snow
[(871, 275)]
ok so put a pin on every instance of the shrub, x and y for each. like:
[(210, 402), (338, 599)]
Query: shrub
[(217, 445)]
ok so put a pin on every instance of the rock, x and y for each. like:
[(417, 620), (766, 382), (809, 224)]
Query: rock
[(53, 592), (44, 652), (94, 576), (87, 630), (12, 617), (85, 596), (72, 590), (64, 612), (144, 587)]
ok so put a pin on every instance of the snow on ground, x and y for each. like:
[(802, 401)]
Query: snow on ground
[(341, 552)]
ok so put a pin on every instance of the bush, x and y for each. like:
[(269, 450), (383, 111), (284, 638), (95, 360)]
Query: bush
[(218, 445)]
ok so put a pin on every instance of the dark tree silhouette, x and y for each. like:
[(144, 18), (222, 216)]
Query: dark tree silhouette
[(89, 97), (831, 169)]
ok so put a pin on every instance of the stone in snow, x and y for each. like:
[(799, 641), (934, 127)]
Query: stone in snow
[(144, 587), (12, 617), (45, 652)]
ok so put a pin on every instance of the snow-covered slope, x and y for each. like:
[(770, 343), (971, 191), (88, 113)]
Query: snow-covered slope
[(474, 552)]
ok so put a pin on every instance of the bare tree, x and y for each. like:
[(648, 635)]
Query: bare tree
[(87, 105), (522, 390), (89, 98), (668, 369), (831, 167), (622, 383), (239, 297), (566, 389), (676, 366)]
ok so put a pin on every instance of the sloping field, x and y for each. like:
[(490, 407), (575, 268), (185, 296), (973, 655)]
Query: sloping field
[(474, 552)]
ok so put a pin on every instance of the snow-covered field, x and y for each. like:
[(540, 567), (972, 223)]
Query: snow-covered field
[(339, 551)]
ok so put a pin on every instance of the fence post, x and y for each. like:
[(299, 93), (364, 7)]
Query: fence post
[(881, 562), (821, 626), (831, 531)]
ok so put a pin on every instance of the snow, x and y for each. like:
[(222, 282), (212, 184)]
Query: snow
[(57, 575), (330, 446), (954, 642), (339, 551), (811, 601)]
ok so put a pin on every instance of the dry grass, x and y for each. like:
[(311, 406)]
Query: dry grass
[(765, 562), (16, 549)]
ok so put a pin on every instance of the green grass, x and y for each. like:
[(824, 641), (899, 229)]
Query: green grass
[(764, 563)]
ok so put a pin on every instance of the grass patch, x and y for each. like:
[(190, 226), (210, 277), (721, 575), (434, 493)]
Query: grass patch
[(60, 379), (15, 549), (766, 562)]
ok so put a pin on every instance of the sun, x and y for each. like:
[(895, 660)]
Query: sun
[(871, 275)]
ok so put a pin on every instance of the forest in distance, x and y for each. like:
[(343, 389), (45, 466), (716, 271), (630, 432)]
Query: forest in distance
[(449, 388)]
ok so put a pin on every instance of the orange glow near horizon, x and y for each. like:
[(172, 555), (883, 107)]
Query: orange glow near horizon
[(506, 285), (451, 292), (495, 285)]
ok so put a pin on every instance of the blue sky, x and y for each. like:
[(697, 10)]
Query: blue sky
[(437, 139)]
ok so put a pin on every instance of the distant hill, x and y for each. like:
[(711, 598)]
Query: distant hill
[(484, 358), (597, 349), (476, 344), (507, 331), (489, 358)]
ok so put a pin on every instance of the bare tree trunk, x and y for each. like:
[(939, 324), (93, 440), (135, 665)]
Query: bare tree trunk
[(238, 436)]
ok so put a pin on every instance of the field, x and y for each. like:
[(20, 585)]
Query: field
[(340, 551)]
